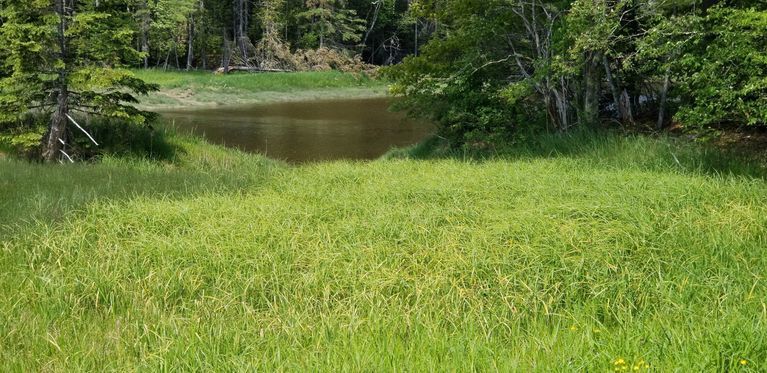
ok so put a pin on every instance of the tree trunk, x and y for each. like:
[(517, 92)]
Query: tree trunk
[(145, 19), (204, 57), (561, 104), (241, 27), (376, 11), (613, 88), (226, 58), (167, 58), (621, 101), (663, 100), (52, 145), (589, 113), (624, 107), (190, 44), (203, 37), (58, 127), (322, 33), (175, 54), (415, 49)]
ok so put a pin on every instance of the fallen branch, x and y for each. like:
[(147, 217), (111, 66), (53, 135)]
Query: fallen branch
[(67, 155), (82, 129)]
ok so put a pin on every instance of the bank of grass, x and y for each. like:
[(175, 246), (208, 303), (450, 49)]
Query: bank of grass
[(35, 193), (203, 88), (606, 150), (545, 260)]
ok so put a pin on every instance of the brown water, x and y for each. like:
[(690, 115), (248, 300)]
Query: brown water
[(306, 131)]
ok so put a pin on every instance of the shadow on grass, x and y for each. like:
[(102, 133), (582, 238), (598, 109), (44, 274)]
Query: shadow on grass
[(604, 150), (116, 139), (32, 192)]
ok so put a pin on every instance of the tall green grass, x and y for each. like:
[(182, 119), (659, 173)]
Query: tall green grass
[(553, 261), (604, 150), (32, 192)]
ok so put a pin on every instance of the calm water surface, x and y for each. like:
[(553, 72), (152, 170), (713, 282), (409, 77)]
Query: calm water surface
[(306, 131)]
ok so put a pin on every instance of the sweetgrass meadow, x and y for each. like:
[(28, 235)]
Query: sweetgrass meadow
[(624, 254)]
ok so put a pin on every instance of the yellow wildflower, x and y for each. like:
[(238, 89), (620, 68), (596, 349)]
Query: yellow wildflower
[(743, 361)]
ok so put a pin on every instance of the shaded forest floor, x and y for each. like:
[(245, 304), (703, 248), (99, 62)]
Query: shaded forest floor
[(574, 253), (750, 143), (180, 90)]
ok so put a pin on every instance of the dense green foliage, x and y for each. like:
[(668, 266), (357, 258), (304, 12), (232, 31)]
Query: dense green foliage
[(507, 66), (115, 137), (38, 59), (225, 261), (489, 70), (448, 83), (721, 69), (64, 58), (68, 58), (330, 23), (194, 34)]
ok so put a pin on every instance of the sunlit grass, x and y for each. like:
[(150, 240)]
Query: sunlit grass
[(539, 261), (199, 88), (34, 192), (256, 81)]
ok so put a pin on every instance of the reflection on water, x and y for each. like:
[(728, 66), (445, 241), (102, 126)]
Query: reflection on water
[(306, 131)]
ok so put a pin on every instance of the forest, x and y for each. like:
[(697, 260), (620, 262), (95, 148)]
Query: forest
[(383, 185), (507, 66), (483, 71)]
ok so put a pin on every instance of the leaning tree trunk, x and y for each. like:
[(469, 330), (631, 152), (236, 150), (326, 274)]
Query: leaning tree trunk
[(56, 135), (376, 11)]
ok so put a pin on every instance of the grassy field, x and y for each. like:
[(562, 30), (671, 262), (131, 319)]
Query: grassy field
[(625, 254), (200, 89)]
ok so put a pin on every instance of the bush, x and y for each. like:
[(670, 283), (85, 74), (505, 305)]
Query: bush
[(22, 138), (118, 138), (115, 137)]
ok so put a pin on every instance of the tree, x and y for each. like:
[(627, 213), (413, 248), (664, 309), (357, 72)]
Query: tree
[(330, 23), (64, 58), (501, 65), (256, 33), (170, 20), (460, 78), (718, 69)]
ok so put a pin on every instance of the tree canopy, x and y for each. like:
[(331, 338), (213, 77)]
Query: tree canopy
[(499, 67), (480, 69), (65, 57)]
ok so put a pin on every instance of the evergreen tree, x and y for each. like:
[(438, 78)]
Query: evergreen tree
[(64, 57), (331, 23)]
